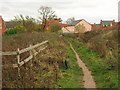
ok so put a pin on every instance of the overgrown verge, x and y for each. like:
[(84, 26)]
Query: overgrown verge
[(105, 42), (104, 73), (43, 71)]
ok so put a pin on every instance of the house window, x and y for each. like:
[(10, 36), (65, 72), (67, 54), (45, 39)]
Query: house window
[(0, 26)]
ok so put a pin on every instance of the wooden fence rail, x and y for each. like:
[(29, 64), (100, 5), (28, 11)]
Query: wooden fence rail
[(8, 53), (23, 50), (28, 49)]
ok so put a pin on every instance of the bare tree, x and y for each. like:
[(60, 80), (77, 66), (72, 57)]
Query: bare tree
[(70, 20), (46, 13)]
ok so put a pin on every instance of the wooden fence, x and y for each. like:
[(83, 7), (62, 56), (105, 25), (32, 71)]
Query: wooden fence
[(30, 49)]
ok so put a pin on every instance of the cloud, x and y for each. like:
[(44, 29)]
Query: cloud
[(92, 10)]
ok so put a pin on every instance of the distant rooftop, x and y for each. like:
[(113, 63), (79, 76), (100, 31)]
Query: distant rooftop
[(107, 22), (75, 22)]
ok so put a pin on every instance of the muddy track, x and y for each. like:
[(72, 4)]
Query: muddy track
[(87, 78)]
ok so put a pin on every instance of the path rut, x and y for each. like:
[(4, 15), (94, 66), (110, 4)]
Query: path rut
[(87, 78)]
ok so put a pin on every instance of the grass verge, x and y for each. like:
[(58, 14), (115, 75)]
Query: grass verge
[(104, 75), (72, 77)]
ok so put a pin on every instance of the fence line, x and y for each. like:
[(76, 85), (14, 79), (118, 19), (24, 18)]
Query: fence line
[(30, 48), (19, 52), (23, 50), (8, 53)]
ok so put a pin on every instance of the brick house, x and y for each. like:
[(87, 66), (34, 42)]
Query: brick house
[(106, 23), (96, 26), (2, 26), (72, 27), (68, 29)]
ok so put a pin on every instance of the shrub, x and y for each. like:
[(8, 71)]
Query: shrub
[(28, 23), (15, 30), (55, 28), (103, 42)]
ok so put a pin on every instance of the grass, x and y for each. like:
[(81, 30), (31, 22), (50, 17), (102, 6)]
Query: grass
[(105, 42), (42, 73), (104, 76), (72, 77)]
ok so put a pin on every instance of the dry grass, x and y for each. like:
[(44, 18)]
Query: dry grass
[(104, 42), (44, 71)]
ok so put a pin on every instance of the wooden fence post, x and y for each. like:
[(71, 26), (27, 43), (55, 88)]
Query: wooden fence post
[(31, 65), (31, 54), (18, 61)]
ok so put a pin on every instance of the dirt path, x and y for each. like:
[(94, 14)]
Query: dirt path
[(87, 78)]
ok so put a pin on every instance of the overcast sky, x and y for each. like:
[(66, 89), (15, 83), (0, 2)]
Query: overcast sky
[(91, 10)]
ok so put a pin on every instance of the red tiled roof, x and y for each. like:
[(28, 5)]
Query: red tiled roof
[(56, 22), (63, 25)]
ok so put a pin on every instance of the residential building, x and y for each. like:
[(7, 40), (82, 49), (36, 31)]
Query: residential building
[(55, 22), (106, 23), (2, 26), (77, 26)]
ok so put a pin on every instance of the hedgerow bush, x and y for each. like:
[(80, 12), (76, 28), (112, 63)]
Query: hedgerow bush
[(55, 28), (104, 42), (15, 30)]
